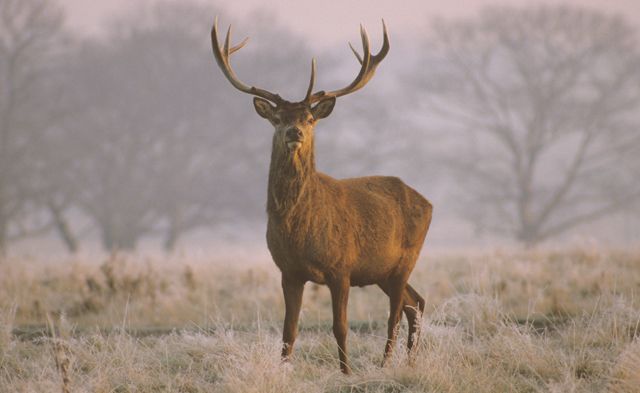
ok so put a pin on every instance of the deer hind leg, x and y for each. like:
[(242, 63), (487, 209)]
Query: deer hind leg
[(339, 299), (395, 290), (292, 290), (413, 309)]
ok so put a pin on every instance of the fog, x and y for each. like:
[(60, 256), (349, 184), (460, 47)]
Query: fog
[(519, 124)]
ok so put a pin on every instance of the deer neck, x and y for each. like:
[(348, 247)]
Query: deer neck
[(292, 179)]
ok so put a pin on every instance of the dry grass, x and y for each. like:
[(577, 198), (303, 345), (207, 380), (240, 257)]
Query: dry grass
[(496, 322)]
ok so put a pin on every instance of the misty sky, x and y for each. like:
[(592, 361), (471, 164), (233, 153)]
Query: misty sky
[(327, 22)]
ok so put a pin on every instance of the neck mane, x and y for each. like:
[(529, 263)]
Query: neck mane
[(291, 178)]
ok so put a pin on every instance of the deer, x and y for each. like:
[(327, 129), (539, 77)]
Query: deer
[(339, 233)]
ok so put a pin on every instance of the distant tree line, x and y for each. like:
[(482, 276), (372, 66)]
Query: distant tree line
[(532, 113)]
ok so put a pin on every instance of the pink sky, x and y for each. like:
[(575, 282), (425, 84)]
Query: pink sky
[(325, 22)]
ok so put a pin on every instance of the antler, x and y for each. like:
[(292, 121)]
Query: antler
[(368, 62), (222, 58)]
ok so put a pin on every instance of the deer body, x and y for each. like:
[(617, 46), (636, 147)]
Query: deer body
[(342, 233), (359, 227)]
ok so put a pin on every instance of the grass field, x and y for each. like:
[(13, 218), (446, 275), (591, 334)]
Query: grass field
[(501, 321)]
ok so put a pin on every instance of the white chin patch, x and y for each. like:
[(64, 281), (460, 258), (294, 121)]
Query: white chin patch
[(294, 145)]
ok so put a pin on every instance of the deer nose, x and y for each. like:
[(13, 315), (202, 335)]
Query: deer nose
[(294, 134)]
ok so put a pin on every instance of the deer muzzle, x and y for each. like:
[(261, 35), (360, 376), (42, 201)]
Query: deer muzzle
[(294, 138)]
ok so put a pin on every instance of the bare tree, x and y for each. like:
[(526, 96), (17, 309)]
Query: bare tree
[(156, 149), (30, 34), (117, 136), (542, 107)]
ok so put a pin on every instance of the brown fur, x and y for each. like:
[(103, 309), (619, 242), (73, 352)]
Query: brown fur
[(342, 233)]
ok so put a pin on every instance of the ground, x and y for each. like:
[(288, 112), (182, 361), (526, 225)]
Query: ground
[(500, 321)]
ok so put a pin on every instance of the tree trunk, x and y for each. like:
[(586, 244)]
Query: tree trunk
[(62, 227), (174, 231), (528, 235), (115, 238), (3, 235), (4, 221), (173, 234)]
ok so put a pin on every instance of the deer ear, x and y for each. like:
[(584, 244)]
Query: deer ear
[(323, 108), (263, 107)]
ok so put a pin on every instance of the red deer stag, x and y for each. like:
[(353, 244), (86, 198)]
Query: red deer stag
[(342, 233)]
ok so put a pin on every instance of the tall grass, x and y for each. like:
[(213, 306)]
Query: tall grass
[(496, 322)]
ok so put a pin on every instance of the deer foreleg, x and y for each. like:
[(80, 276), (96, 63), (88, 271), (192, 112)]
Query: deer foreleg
[(292, 290), (339, 299)]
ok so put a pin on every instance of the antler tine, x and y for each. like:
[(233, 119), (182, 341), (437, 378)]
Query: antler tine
[(368, 63), (355, 52), (385, 44), (312, 80), (222, 58), (366, 55), (239, 46)]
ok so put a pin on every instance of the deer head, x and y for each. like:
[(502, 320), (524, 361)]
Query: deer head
[(294, 121)]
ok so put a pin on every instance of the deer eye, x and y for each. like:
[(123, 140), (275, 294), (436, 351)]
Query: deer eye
[(310, 120)]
